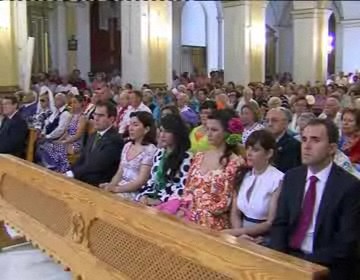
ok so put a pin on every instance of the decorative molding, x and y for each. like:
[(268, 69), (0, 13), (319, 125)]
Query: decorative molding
[(350, 23), (309, 13), (6, 90), (78, 228)]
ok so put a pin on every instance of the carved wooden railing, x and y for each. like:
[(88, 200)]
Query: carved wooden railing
[(99, 236)]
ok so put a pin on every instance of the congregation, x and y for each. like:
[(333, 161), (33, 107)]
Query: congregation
[(276, 163)]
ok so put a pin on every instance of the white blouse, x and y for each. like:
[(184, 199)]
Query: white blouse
[(257, 207)]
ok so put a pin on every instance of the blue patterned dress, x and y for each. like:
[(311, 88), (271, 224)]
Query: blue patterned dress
[(54, 155)]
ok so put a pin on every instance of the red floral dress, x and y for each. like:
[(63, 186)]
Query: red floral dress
[(209, 195)]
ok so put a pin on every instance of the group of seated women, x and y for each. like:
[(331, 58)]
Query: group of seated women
[(213, 188)]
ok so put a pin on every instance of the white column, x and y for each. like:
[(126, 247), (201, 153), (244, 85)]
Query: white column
[(146, 42), (310, 30), (134, 37), (220, 20), (350, 45), (176, 45), (244, 41), (83, 37), (21, 36), (236, 42), (61, 38)]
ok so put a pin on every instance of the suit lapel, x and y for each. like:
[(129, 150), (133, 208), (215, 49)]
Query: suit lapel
[(102, 140), (327, 198), (299, 190)]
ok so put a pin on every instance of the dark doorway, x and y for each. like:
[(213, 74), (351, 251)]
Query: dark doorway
[(105, 44)]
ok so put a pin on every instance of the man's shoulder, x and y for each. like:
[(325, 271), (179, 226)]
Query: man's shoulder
[(296, 172), (345, 178)]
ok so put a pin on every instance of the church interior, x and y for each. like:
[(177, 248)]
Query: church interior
[(225, 93)]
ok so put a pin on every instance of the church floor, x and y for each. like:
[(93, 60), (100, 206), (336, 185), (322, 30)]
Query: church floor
[(26, 263)]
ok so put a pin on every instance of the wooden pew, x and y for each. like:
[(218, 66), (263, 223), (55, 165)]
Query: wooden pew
[(99, 236), (30, 147)]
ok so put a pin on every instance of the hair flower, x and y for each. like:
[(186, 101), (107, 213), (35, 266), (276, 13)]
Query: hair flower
[(235, 126), (235, 129)]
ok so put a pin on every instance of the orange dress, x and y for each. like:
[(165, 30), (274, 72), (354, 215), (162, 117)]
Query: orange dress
[(209, 195)]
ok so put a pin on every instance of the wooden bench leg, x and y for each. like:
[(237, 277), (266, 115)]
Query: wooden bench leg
[(5, 240)]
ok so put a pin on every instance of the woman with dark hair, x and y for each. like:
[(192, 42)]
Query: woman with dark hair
[(169, 109), (198, 137), (254, 207), (54, 154), (208, 192), (250, 116), (136, 157), (170, 165)]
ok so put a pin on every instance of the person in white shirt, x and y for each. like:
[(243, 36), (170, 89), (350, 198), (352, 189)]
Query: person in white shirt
[(136, 105), (56, 124), (65, 86), (254, 207), (300, 106), (332, 111), (319, 206)]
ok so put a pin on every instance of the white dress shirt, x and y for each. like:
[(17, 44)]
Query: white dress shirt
[(126, 120), (307, 244), (64, 121)]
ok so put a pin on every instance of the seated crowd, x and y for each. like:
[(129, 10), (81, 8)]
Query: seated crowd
[(277, 164)]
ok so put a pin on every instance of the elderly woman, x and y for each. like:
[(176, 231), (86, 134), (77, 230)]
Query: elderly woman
[(245, 99), (250, 116), (350, 139)]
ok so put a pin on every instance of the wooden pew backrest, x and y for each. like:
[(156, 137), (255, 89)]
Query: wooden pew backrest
[(102, 237), (31, 142)]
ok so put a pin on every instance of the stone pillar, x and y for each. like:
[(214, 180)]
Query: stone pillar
[(9, 55), (60, 39), (244, 41), (349, 42), (71, 32), (83, 57), (310, 30), (146, 42)]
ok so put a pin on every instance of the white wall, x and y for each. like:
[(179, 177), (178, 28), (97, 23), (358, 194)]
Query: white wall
[(193, 15), (193, 25), (350, 47)]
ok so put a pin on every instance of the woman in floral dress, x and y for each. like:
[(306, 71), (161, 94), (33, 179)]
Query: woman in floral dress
[(136, 157), (209, 190)]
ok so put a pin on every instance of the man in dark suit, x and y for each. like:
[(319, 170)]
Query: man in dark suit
[(318, 215), (100, 158), (14, 130), (288, 148)]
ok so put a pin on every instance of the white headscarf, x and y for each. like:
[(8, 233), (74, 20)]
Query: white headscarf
[(44, 90)]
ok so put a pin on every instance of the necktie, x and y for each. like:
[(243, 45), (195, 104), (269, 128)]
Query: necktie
[(96, 140), (306, 215)]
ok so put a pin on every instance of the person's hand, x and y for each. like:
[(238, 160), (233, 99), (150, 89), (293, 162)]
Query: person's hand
[(143, 200), (180, 213), (233, 231), (153, 202), (247, 237), (112, 188), (103, 185)]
